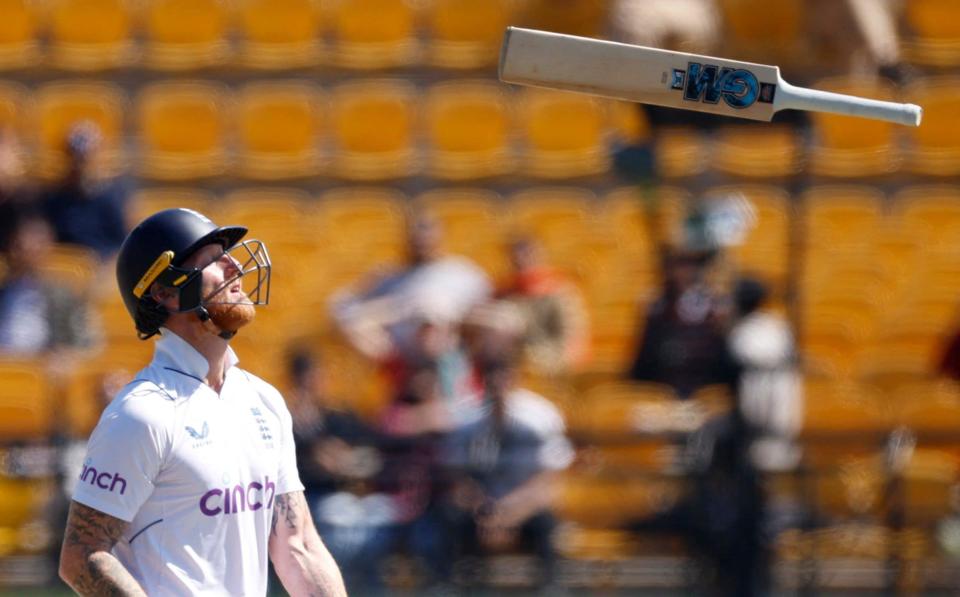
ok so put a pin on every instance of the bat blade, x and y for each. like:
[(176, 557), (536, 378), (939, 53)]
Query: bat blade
[(673, 79), (638, 73)]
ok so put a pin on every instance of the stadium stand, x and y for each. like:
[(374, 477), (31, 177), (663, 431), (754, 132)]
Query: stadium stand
[(282, 114)]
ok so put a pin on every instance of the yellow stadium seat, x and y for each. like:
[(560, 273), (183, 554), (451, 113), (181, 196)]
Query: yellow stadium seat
[(89, 35), (576, 17), (628, 215), (182, 126), (72, 266), (354, 381), (930, 213), (560, 218), (468, 126), (472, 224), (855, 320), (928, 486), (25, 506), (680, 152), (846, 146), (26, 401), (932, 35), (842, 215), (367, 225), (60, 105), (769, 151), (114, 320), (607, 501), (94, 383), (373, 34), (12, 107), (19, 45), (899, 354), (147, 202), (934, 147), (186, 34), (625, 409), (373, 125), (466, 33), (834, 409), (280, 34), (770, 33), (928, 406), (564, 134), (278, 128), (470, 217), (830, 353), (274, 215)]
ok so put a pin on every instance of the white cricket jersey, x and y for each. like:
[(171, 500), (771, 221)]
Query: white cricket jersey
[(195, 473)]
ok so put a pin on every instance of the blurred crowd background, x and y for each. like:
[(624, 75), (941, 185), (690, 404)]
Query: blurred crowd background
[(531, 341)]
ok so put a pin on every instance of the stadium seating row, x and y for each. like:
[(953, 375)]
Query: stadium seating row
[(85, 35), (176, 35), (360, 130), (377, 129)]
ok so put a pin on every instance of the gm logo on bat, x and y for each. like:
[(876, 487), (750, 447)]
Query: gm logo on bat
[(708, 83)]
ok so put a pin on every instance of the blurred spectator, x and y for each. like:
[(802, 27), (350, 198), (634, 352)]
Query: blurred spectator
[(683, 25), (769, 386), (414, 426), (84, 207), (14, 195), (504, 466), (949, 363), (37, 316), (861, 32), (683, 343), (556, 328), (339, 460), (383, 318)]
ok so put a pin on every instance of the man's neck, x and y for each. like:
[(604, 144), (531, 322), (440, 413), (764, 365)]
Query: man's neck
[(210, 345)]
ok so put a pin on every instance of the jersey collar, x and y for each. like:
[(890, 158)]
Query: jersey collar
[(177, 354)]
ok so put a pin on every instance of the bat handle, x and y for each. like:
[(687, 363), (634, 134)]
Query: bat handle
[(815, 100)]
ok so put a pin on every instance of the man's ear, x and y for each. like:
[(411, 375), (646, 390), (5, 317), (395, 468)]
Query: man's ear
[(166, 296)]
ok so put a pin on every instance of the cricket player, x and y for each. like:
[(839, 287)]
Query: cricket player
[(190, 478)]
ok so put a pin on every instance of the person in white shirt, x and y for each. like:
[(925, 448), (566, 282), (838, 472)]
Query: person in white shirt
[(190, 479), (382, 316)]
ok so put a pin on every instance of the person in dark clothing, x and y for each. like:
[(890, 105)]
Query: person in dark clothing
[(37, 316), (85, 208), (683, 343), (339, 460)]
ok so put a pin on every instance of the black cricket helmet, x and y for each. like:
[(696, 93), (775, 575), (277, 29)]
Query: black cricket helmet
[(155, 251)]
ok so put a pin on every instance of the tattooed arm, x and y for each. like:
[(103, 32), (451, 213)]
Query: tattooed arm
[(86, 563), (299, 556)]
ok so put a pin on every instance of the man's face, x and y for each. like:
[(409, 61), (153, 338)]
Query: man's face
[(30, 246), (424, 239), (222, 290)]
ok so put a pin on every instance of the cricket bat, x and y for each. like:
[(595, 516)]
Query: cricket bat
[(674, 79)]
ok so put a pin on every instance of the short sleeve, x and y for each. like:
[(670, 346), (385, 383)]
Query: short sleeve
[(123, 458), (288, 478)]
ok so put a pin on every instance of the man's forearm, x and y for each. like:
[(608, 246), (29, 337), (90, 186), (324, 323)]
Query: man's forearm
[(86, 563), (101, 573), (313, 573), (300, 558)]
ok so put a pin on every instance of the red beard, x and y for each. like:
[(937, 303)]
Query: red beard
[(230, 317)]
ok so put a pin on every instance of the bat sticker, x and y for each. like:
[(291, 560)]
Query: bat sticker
[(709, 83)]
